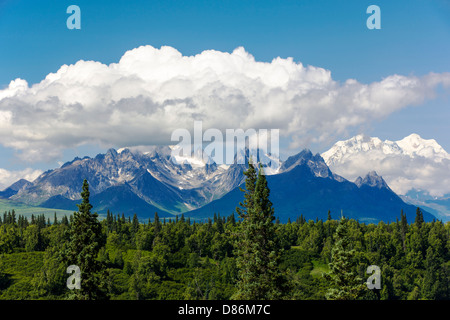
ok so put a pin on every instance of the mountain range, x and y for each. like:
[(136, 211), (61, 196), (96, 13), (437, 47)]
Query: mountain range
[(133, 181), (305, 185)]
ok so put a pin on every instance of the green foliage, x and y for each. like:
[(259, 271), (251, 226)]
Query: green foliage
[(19, 269), (50, 281), (177, 259), (346, 284)]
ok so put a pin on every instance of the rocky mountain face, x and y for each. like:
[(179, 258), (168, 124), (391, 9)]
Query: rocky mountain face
[(372, 179), (153, 176)]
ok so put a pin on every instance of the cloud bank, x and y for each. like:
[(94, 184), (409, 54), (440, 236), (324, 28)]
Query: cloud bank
[(150, 92)]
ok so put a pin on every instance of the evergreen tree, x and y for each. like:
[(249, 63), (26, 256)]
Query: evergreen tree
[(257, 250), (345, 283), (250, 184), (157, 224), (403, 229), (85, 242), (419, 218), (65, 221), (435, 284), (135, 225)]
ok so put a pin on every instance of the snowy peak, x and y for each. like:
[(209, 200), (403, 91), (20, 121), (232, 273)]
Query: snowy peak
[(411, 146), (372, 179), (195, 160), (359, 144)]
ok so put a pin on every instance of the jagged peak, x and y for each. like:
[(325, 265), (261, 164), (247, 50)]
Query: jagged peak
[(315, 163), (124, 151), (68, 163), (372, 179), (302, 157), (112, 152)]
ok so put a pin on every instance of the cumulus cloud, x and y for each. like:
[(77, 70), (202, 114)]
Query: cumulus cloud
[(7, 177), (150, 92)]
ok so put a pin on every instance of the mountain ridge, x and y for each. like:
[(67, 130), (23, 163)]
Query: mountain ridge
[(300, 192), (133, 181)]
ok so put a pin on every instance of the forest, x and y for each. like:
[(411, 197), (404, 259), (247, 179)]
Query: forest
[(246, 256)]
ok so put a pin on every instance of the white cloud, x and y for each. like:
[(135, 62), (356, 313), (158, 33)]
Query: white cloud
[(7, 177), (150, 92)]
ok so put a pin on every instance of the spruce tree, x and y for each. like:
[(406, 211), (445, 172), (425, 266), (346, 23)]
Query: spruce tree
[(250, 184), (135, 225), (157, 224), (345, 283), (257, 250), (419, 218), (403, 229), (85, 242), (435, 283)]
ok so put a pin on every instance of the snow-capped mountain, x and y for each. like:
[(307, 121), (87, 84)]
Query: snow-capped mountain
[(144, 181), (412, 146), (412, 164), (156, 175)]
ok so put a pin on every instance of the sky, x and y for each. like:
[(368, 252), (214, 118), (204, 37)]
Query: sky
[(136, 70)]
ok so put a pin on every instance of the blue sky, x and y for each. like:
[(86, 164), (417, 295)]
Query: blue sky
[(414, 40), (329, 34)]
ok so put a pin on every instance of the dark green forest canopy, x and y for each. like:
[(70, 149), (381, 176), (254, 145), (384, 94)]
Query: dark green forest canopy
[(180, 259), (215, 259)]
